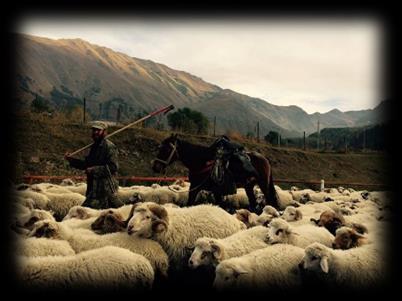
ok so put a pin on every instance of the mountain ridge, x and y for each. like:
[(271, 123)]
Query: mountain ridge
[(67, 70)]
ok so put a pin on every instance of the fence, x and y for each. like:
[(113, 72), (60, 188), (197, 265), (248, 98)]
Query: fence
[(31, 179)]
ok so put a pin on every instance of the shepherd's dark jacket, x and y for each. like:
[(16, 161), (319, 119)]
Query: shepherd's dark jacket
[(102, 184)]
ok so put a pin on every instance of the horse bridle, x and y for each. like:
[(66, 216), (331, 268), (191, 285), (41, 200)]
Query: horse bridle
[(174, 150)]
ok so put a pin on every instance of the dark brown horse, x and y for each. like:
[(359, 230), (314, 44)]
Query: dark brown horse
[(200, 160)]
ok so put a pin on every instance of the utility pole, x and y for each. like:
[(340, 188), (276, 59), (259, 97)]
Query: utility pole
[(258, 131), (100, 111), (118, 114), (279, 140), (364, 140), (318, 135), (304, 140), (214, 125), (85, 104)]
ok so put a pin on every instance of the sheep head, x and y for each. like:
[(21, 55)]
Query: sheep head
[(331, 221), (148, 219), (227, 275), (206, 252), (292, 214), (109, 221), (347, 238), (278, 231), (27, 221), (77, 212), (316, 258), (46, 228)]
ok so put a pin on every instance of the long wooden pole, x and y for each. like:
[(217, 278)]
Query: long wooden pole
[(163, 110)]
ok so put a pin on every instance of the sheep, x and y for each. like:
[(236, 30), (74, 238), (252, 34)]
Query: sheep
[(333, 220), (67, 182), (238, 200), (60, 204), (40, 199), (177, 229), (33, 247), (28, 219), (285, 198), (80, 188), (81, 212), (107, 267), (247, 217), (110, 221), (360, 267), (281, 232), (83, 240), (211, 251), (299, 194), (271, 268), (292, 214), (347, 238)]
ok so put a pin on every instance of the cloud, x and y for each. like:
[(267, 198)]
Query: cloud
[(308, 63)]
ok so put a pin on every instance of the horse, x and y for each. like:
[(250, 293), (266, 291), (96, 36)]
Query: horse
[(199, 160)]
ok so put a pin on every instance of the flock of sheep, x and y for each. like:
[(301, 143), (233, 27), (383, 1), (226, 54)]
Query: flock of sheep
[(335, 237)]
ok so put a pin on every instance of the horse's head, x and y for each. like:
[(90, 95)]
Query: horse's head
[(167, 153)]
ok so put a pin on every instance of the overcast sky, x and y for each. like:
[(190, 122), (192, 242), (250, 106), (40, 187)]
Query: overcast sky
[(316, 64)]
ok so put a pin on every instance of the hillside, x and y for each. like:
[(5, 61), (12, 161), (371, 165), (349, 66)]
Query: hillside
[(65, 71), (41, 144)]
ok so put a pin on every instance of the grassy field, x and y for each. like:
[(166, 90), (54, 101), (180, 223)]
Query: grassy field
[(41, 143)]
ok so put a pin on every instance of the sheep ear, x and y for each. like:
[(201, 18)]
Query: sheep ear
[(239, 271), (359, 229), (324, 264), (216, 250), (299, 215), (159, 211), (159, 226)]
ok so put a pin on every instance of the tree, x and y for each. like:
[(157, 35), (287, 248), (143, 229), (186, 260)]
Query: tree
[(188, 121), (272, 137), (39, 104)]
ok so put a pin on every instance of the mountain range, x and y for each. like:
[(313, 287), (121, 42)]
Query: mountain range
[(64, 71)]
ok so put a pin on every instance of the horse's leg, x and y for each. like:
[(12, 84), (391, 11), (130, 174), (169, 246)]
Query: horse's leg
[(268, 189), (249, 187), (192, 194)]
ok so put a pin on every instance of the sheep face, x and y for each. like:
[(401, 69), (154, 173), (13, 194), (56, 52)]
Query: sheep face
[(148, 220), (227, 275), (331, 221), (269, 210), (108, 222), (77, 212), (278, 231), (292, 214), (316, 258), (45, 228), (347, 238), (35, 215), (206, 252)]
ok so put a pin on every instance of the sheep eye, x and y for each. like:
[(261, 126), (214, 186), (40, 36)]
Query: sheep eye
[(147, 217), (314, 258), (203, 255), (292, 214)]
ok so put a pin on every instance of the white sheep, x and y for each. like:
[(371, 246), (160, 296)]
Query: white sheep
[(298, 195), (83, 239), (107, 267), (33, 247), (29, 218), (177, 229), (292, 214), (360, 267), (61, 203), (280, 231), (250, 219), (211, 251), (285, 198), (237, 200), (271, 268), (40, 199)]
